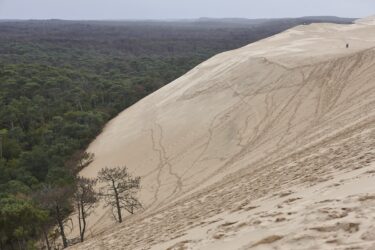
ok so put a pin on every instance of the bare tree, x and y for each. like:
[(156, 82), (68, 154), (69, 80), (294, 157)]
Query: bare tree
[(45, 228), (85, 200), (79, 161), (57, 201), (120, 190)]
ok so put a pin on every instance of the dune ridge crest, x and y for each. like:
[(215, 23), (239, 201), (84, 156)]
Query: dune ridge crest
[(272, 144), (368, 20)]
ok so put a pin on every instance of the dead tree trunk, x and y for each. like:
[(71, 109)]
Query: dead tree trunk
[(82, 225), (61, 226), (45, 234), (117, 202)]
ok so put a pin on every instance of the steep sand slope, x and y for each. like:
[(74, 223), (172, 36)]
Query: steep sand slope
[(289, 117)]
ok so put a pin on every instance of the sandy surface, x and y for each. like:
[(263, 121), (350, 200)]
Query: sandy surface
[(270, 146)]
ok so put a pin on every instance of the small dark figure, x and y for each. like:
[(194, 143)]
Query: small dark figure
[(347, 45)]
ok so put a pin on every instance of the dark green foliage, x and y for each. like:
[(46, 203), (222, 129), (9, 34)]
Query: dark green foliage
[(20, 221)]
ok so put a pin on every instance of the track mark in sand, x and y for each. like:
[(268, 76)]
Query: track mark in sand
[(255, 140), (331, 91), (159, 169), (163, 155), (257, 133), (242, 100), (157, 146), (292, 117), (304, 83), (211, 129)]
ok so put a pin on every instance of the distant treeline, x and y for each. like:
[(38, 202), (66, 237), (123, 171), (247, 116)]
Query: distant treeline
[(61, 81)]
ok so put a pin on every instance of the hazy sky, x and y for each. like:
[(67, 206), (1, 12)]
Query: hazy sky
[(163, 9)]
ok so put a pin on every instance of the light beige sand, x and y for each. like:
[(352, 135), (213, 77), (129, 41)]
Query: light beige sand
[(291, 116)]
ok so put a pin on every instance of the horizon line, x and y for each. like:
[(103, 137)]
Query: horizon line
[(171, 19)]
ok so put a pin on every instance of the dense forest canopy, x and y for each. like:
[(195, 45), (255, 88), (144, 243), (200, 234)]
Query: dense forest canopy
[(61, 81)]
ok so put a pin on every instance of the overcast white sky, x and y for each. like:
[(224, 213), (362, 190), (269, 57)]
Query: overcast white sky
[(167, 9)]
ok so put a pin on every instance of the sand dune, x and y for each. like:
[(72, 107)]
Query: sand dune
[(271, 146)]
